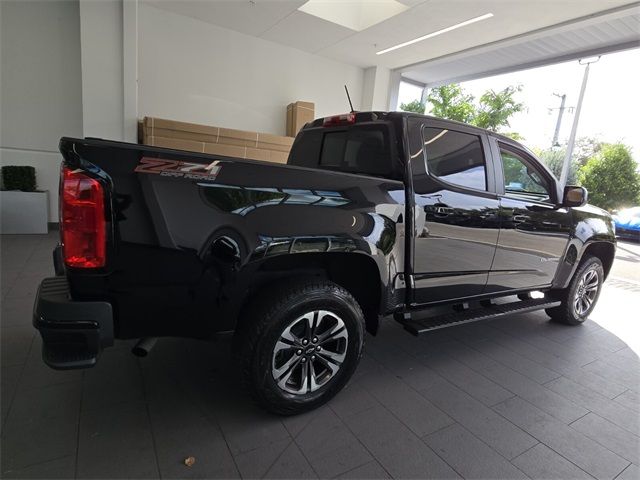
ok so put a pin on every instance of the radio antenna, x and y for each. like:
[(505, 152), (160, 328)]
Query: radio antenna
[(349, 98)]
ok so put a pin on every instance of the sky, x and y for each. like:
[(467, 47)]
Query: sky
[(610, 110)]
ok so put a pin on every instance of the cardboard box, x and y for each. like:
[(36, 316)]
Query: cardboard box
[(289, 125), (278, 157), (257, 154), (274, 142), (225, 150), (175, 143), (181, 134), (229, 136), (298, 114), (152, 122), (215, 140)]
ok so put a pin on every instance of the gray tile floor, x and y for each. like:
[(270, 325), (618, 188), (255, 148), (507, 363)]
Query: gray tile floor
[(513, 398)]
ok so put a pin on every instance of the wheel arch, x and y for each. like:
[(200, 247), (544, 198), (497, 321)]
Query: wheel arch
[(357, 273), (576, 252), (605, 251)]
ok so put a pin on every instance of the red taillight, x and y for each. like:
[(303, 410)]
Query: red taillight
[(82, 220), (346, 119)]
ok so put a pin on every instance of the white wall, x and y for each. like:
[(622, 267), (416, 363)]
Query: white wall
[(40, 86), (67, 69), (193, 71)]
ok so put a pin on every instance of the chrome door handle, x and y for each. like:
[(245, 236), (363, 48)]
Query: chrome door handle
[(443, 211)]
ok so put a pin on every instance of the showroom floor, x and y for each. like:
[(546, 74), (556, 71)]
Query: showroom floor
[(513, 398)]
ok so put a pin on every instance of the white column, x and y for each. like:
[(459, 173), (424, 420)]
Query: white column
[(101, 43), (130, 69), (394, 90), (375, 91)]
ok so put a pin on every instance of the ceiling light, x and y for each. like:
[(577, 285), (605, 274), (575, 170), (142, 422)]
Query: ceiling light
[(439, 32), (353, 14)]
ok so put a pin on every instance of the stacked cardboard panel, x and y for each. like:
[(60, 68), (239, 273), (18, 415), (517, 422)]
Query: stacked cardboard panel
[(193, 137), (299, 114)]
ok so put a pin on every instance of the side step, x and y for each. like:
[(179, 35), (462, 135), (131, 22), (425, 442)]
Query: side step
[(416, 327)]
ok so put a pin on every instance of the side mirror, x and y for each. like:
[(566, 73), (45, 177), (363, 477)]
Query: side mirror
[(574, 196)]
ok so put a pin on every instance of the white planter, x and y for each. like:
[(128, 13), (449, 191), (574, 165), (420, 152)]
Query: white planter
[(23, 212)]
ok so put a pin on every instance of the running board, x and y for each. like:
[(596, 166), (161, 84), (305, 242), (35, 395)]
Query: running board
[(416, 327)]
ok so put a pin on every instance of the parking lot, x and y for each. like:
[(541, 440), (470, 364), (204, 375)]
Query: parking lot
[(511, 398)]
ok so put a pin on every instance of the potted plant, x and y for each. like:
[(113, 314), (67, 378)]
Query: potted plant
[(23, 208)]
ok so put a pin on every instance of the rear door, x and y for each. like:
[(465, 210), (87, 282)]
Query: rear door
[(456, 207), (534, 229)]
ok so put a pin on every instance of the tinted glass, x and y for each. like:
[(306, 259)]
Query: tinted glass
[(333, 149), (305, 151), (455, 157), (359, 150), (522, 179)]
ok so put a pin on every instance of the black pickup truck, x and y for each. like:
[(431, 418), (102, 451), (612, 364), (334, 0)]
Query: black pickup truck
[(375, 214)]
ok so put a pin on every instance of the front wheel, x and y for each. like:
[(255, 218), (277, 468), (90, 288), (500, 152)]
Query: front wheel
[(300, 344), (580, 297)]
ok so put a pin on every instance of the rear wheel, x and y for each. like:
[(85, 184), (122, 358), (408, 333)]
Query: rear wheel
[(300, 344), (580, 297)]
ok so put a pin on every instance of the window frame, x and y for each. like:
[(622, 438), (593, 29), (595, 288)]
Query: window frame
[(421, 167), (529, 160)]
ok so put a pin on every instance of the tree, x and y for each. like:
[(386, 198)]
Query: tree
[(513, 135), (554, 159), (586, 148), (611, 177), (416, 106), (496, 108), (492, 112), (451, 102)]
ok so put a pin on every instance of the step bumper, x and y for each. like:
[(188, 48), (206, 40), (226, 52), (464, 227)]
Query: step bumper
[(73, 332)]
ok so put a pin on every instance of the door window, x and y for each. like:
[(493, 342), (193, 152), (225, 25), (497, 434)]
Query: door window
[(523, 179), (455, 157)]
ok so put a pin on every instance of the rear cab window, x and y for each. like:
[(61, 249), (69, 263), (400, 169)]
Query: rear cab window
[(362, 148)]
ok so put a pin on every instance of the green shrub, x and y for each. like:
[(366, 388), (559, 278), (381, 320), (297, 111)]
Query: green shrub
[(611, 177), (416, 106), (19, 178)]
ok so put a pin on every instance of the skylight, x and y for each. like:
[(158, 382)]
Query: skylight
[(354, 14)]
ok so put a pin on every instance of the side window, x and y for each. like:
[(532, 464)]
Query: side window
[(455, 157), (522, 178)]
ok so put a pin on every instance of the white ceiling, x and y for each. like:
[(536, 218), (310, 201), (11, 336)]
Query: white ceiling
[(280, 21), (613, 31)]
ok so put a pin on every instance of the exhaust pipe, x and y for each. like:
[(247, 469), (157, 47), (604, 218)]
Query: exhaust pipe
[(144, 346)]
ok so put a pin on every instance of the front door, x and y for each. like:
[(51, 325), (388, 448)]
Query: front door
[(534, 229), (456, 212)]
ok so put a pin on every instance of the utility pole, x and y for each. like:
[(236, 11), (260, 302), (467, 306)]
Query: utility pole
[(563, 99), (576, 118)]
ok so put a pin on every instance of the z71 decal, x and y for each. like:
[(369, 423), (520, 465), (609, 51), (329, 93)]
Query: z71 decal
[(178, 168)]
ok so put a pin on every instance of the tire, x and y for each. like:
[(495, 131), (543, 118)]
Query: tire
[(287, 368), (577, 301)]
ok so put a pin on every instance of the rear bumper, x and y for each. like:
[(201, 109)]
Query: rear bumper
[(73, 333)]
